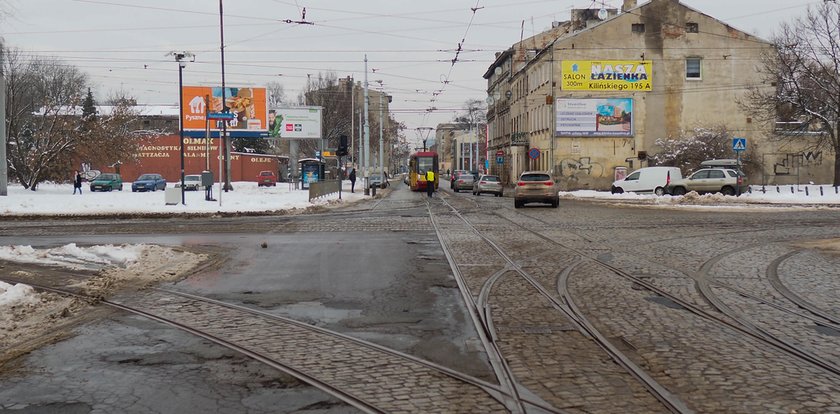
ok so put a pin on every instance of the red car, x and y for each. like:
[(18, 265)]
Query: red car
[(266, 178)]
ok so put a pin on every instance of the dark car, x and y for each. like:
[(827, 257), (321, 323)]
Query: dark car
[(454, 176), (266, 178), (148, 182), (464, 181), (106, 182)]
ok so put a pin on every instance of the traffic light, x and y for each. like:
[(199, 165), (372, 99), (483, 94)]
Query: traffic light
[(342, 146)]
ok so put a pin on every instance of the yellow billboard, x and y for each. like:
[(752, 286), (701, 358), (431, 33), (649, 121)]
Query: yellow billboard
[(607, 75)]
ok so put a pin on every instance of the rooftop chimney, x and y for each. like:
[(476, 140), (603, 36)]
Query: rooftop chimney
[(628, 4)]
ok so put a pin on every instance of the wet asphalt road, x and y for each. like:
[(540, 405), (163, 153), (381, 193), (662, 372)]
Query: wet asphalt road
[(341, 272)]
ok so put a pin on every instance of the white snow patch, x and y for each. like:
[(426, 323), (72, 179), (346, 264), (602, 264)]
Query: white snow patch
[(16, 294)]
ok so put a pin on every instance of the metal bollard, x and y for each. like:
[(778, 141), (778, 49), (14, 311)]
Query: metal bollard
[(792, 190), (806, 191), (763, 190), (373, 191), (821, 192)]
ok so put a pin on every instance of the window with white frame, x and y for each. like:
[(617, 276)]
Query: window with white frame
[(693, 68)]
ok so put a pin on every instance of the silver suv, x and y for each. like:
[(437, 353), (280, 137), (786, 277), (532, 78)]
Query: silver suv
[(710, 180), (535, 187)]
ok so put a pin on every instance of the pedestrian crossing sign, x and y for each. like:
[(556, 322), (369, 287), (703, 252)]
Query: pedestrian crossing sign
[(739, 144)]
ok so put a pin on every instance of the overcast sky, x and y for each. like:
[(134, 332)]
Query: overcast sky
[(123, 44)]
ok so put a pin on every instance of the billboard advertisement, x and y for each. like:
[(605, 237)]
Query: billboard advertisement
[(248, 106), (607, 75), (594, 117), (299, 122)]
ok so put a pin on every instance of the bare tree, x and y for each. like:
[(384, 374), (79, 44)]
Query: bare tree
[(276, 94), (693, 147), (804, 67), (46, 129)]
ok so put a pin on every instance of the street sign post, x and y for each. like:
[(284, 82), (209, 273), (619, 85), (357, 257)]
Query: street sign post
[(739, 145)]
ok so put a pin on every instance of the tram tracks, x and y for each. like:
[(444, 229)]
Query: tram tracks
[(706, 283), (565, 306), (370, 377)]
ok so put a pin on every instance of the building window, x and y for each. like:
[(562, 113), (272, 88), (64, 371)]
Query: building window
[(692, 68), (692, 28), (637, 28)]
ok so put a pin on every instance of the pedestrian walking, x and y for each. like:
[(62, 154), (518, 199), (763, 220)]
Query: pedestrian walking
[(430, 182), (353, 180), (77, 183)]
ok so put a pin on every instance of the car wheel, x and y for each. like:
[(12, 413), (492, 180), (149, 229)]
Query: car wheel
[(617, 190), (727, 191), (517, 204), (110, 189), (678, 191), (659, 191), (555, 203), (133, 190), (457, 190)]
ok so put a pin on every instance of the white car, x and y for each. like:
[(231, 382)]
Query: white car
[(192, 182), (647, 180)]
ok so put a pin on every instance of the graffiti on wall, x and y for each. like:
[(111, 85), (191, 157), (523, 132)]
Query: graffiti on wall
[(786, 164), (582, 166)]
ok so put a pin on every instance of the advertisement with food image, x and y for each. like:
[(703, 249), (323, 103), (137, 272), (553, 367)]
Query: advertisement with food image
[(248, 106)]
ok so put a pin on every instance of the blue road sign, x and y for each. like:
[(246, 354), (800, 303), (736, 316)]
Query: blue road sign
[(500, 160), (486, 164), (739, 144), (534, 153), (221, 115)]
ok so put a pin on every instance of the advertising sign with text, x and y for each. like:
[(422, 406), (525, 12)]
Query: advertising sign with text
[(594, 117), (607, 75), (299, 122), (248, 110)]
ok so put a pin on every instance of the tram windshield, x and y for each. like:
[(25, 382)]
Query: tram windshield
[(425, 163)]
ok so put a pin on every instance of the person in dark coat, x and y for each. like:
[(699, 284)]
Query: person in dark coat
[(352, 180), (77, 183)]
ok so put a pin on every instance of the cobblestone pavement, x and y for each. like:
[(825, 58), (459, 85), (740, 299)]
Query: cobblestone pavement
[(706, 356), (699, 300)]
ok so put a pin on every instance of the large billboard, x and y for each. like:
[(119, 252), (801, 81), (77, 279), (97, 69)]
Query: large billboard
[(248, 106), (297, 122), (607, 75), (594, 117)]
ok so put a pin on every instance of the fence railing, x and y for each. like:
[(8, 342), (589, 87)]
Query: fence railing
[(810, 190), (323, 188)]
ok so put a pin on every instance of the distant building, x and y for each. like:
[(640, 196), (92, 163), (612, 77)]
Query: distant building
[(592, 95)]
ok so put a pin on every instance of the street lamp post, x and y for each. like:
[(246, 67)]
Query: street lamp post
[(181, 57)]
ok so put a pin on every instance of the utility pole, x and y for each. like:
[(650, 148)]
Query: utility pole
[(367, 130), (224, 136), (4, 169), (381, 143)]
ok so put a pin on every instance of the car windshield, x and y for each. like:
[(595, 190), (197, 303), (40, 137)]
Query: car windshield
[(266, 173), (375, 177), (466, 177), (490, 178), (536, 177), (146, 177), (106, 177), (192, 178)]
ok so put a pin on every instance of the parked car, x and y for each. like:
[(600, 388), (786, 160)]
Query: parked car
[(266, 178), (375, 180), (148, 182), (647, 180), (535, 187), (464, 181), (192, 182), (454, 176), (488, 184), (106, 182), (711, 180)]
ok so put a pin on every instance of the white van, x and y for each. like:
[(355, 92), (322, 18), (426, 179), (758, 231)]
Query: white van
[(647, 180)]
